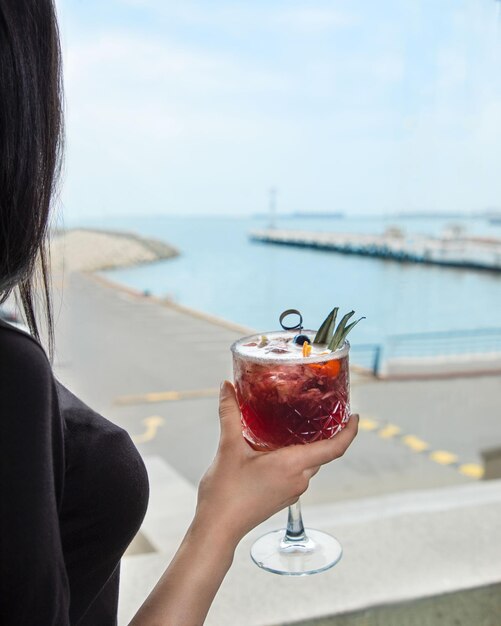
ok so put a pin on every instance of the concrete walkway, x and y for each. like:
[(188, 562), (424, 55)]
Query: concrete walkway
[(113, 345), (155, 369)]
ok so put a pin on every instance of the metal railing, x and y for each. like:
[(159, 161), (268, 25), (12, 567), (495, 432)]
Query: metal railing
[(367, 356), (479, 341), (415, 345)]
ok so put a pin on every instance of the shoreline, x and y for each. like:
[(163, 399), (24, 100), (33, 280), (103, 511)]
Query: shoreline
[(63, 259), (195, 313), (181, 308), (419, 375), (92, 251)]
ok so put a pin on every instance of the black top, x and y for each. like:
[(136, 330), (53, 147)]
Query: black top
[(73, 493)]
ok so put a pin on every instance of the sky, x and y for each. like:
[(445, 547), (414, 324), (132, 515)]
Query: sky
[(356, 106)]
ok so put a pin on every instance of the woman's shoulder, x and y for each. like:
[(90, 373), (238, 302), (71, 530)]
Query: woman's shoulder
[(23, 361), (31, 427)]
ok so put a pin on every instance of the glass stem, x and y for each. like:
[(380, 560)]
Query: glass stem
[(295, 529)]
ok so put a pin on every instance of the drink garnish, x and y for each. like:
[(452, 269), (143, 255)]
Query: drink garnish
[(332, 336), (300, 339), (326, 330), (297, 326), (264, 341), (295, 342)]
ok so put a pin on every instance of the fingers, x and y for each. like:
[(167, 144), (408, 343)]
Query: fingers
[(314, 454), (229, 413)]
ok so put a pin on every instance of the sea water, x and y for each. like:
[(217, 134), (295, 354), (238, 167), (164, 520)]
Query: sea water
[(220, 271)]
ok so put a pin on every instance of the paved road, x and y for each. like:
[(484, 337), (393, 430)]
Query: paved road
[(113, 345)]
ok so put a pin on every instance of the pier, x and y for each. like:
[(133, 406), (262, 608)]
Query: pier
[(477, 253)]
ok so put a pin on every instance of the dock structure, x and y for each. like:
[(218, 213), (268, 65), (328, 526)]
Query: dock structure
[(479, 253)]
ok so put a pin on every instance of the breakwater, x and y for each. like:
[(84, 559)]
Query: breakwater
[(478, 253), (92, 250)]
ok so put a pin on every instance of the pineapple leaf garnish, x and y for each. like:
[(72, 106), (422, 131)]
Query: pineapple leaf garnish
[(332, 336), (325, 332), (337, 341)]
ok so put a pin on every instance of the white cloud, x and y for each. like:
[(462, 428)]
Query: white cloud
[(133, 61), (210, 123), (305, 17), (313, 19)]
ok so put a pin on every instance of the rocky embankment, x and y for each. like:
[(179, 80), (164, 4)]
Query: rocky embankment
[(88, 250)]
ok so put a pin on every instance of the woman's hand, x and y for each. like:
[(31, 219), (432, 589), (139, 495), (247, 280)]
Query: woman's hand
[(241, 488), (244, 487)]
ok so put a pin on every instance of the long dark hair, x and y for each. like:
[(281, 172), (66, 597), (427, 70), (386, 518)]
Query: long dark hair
[(31, 130)]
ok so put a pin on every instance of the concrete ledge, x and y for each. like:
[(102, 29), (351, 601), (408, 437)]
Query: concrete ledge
[(171, 507), (436, 366), (397, 548), (474, 607)]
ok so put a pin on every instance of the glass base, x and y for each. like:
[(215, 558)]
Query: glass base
[(316, 553)]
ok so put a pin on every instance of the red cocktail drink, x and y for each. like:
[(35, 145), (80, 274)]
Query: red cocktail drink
[(287, 398), (293, 388)]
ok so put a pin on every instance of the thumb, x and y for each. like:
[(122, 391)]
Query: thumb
[(229, 413)]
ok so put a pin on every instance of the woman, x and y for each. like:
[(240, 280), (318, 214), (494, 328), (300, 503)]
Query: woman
[(73, 487)]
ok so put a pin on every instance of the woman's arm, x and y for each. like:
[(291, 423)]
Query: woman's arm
[(184, 593), (241, 489)]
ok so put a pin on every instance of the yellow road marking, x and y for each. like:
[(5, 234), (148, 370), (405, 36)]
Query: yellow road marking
[(415, 443), (389, 431), (473, 470), (152, 424), (166, 396), (366, 423), (160, 396), (443, 457)]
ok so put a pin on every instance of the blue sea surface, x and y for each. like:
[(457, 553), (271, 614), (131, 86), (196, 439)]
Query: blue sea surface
[(220, 271)]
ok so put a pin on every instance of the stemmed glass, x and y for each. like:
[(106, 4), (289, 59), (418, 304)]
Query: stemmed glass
[(286, 398)]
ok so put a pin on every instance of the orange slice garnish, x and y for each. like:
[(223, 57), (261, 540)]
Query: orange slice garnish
[(329, 368)]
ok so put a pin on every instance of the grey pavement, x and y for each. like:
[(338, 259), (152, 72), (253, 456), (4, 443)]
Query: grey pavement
[(462, 414), (113, 344), (402, 544)]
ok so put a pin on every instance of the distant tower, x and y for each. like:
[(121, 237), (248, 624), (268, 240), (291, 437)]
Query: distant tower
[(273, 208)]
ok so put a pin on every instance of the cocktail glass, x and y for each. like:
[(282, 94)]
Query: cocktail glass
[(288, 399)]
